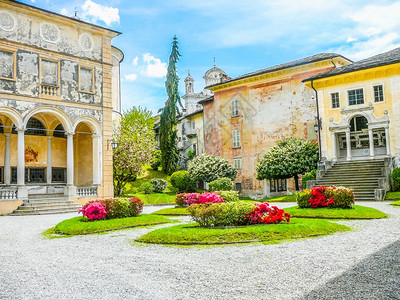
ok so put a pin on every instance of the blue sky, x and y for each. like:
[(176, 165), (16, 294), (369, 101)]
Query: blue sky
[(243, 36)]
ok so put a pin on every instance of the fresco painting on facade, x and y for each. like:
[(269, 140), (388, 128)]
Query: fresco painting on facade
[(57, 103)]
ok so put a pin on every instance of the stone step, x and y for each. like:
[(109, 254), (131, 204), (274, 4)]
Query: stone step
[(45, 196), (47, 209), (49, 205), (44, 212), (50, 200)]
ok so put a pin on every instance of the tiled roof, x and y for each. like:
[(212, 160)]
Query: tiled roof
[(386, 58)]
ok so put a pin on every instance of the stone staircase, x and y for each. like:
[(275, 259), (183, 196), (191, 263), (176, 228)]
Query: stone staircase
[(361, 176), (46, 204)]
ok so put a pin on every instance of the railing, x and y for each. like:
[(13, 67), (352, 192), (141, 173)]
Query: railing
[(49, 90), (90, 191), (8, 194)]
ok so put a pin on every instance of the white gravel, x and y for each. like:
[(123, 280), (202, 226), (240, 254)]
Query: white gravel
[(354, 265)]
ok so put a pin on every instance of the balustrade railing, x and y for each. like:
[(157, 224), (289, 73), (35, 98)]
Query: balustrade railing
[(49, 90), (90, 191), (8, 194)]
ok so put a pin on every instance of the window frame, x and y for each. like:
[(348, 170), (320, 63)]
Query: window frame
[(383, 93), (237, 163), (338, 100), (14, 53), (236, 138), (355, 89), (87, 68), (235, 108), (58, 71)]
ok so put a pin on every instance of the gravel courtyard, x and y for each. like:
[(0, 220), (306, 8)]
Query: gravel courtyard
[(361, 264)]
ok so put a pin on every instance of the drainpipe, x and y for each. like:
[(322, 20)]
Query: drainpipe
[(318, 121)]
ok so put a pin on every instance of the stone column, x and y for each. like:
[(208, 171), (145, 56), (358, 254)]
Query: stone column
[(96, 159), (371, 143), (334, 147), (49, 160), (387, 137), (70, 159), (348, 144), (21, 158), (7, 162)]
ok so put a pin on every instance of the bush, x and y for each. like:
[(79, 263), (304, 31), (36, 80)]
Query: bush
[(182, 181), (114, 208), (190, 154), (156, 161), (147, 188), (221, 214), (221, 184), (180, 200), (263, 213), (93, 211), (309, 176), (229, 196), (159, 185), (210, 167), (396, 180), (325, 196), (196, 198)]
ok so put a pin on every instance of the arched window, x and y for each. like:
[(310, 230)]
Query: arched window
[(358, 123), (1, 127), (35, 127), (59, 131)]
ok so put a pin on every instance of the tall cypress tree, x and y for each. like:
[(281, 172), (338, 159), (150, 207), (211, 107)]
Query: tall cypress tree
[(168, 135)]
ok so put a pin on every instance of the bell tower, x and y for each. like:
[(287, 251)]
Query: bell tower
[(189, 84)]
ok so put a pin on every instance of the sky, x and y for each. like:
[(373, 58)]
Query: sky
[(243, 36)]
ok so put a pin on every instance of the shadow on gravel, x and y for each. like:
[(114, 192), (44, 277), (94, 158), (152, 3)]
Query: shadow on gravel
[(376, 277)]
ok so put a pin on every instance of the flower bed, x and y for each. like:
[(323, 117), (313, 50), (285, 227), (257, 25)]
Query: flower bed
[(197, 198), (326, 196), (114, 208)]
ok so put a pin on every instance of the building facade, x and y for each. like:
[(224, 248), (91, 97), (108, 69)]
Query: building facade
[(251, 113), (59, 87)]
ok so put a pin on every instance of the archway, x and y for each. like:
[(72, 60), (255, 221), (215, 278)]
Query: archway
[(83, 154)]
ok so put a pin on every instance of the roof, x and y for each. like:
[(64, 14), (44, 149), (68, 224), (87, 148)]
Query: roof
[(211, 98), (294, 63), (386, 58), (70, 18), (191, 114)]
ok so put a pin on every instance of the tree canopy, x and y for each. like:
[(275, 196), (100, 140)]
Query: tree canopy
[(168, 134), (210, 167), (289, 158), (136, 144)]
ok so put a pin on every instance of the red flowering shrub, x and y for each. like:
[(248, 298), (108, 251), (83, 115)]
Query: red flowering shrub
[(263, 213), (325, 196), (94, 211), (117, 208), (196, 198)]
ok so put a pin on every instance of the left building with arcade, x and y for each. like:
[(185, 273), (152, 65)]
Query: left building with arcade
[(58, 97)]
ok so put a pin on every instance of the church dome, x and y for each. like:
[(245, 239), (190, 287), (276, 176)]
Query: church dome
[(214, 75)]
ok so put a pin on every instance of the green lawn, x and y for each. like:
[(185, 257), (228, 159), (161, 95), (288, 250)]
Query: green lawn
[(176, 211), (191, 234), (288, 198), (392, 196), (396, 203), (359, 212), (157, 198), (76, 226)]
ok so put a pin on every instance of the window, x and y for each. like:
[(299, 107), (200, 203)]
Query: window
[(335, 100), (35, 127), (237, 163), (356, 97), (235, 108), (238, 186), (1, 127), (13, 175), (378, 93), (236, 138), (49, 77), (277, 185), (32, 175), (358, 123), (1, 175), (86, 80), (58, 174), (59, 131), (7, 65)]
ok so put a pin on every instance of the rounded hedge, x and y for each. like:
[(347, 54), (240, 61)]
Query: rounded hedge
[(183, 182)]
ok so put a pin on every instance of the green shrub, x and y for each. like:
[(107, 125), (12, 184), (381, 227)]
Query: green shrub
[(221, 214), (156, 161), (159, 185), (134, 190), (182, 181), (302, 199), (396, 180), (119, 207), (191, 154), (221, 184), (147, 188), (309, 176), (229, 196)]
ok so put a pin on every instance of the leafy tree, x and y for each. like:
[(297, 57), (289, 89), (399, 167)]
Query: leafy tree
[(210, 167), (168, 135), (136, 144), (289, 158)]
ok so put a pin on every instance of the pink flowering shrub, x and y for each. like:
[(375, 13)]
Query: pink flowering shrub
[(196, 198), (94, 211), (326, 196), (263, 213)]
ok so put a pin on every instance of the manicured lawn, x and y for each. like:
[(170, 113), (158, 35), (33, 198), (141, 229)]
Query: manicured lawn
[(191, 234), (288, 198), (392, 196), (176, 211), (76, 226), (157, 198), (359, 212), (396, 203)]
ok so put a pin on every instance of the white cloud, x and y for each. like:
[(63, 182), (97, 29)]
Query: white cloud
[(154, 67), (350, 39), (64, 11), (97, 12), (135, 61), (130, 77)]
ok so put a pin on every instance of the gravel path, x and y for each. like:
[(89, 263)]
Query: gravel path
[(362, 264)]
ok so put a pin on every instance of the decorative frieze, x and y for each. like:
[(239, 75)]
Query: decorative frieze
[(7, 21)]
